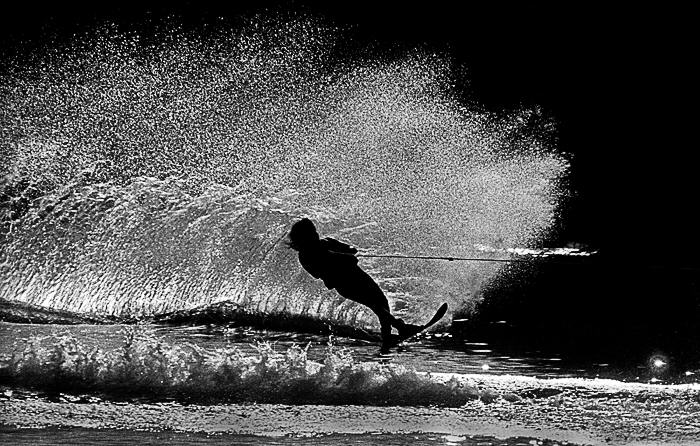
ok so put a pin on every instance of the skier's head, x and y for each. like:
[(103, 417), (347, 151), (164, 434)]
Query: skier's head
[(302, 234)]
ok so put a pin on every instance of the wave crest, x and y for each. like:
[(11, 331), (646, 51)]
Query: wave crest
[(147, 367)]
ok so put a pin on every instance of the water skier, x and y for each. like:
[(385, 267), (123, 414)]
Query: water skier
[(335, 263)]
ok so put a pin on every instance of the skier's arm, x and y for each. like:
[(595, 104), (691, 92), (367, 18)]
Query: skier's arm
[(339, 247)]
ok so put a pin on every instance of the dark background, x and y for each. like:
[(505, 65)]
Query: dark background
[(620, 84)]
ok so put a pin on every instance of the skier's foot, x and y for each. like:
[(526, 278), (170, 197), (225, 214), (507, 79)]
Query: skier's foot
[(386, 347), (404, 329), (408, 330), (389, 342)]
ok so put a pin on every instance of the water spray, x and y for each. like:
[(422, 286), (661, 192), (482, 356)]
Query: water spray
[(202, 147)]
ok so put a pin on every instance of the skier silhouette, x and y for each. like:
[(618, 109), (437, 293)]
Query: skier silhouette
[(335, 263)]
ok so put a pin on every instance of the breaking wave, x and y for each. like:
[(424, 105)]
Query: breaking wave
[(146, 367)]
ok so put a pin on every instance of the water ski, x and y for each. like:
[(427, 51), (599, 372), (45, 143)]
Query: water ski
[(397, 339)]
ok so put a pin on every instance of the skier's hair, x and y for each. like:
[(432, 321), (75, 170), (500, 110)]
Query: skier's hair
[(302, 233)]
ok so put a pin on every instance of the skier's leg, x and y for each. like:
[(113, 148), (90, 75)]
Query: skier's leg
[(379, 304), (363, 289)]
